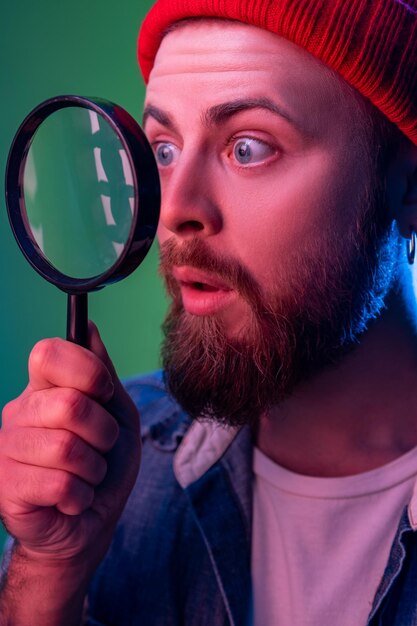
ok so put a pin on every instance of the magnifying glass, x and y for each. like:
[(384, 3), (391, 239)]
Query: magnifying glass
[(83, 197)]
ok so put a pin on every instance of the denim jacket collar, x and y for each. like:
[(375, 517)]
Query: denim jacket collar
[(213, 461)]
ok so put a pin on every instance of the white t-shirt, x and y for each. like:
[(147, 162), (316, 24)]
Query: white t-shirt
[(320, 545)]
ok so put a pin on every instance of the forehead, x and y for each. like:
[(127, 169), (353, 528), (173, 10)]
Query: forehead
[(213, 60)]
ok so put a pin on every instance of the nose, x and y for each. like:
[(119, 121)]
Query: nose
[(189, 206)]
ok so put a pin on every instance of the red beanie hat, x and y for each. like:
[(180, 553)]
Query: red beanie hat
[(371, 43)]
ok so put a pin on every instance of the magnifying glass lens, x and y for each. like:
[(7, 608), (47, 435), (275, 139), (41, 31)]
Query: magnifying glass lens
[(78, 189), (83, 197)]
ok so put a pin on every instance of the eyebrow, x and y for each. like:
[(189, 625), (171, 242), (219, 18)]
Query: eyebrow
[(158, 115), (220, 113)]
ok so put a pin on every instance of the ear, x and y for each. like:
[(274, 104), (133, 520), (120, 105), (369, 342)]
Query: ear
[(402, 188)]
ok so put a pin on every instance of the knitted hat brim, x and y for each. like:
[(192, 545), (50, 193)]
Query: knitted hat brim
[(372, 44)]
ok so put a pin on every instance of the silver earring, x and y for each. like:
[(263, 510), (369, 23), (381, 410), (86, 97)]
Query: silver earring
[(411, 247)]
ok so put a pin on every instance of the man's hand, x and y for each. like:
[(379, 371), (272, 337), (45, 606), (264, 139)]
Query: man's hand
[(69, 457)]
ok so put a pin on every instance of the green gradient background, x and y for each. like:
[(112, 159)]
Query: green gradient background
[(51, 47)]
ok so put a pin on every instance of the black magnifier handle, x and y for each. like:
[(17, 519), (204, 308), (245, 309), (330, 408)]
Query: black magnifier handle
[(77, 319)]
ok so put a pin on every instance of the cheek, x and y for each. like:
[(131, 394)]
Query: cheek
[(299, 208)]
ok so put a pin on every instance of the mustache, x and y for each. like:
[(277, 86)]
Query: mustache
[(197, 253)]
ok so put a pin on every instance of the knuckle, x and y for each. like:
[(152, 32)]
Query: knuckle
[(73, 404), (16, 407), (43, 353), (69, 449), (23, 408), (63, 486), (8, 412)]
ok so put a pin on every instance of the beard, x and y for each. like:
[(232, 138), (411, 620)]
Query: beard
[(331, 292)]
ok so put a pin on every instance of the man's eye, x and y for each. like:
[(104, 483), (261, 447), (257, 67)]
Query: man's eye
[(249, 151), (166, 153)]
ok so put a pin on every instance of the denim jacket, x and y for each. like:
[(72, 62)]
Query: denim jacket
[(181, 552)]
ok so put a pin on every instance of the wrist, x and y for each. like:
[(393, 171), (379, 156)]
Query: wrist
[(39, 589), (52, 561)]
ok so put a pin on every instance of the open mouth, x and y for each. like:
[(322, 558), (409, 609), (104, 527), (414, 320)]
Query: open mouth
[(202, 286), (199, 280), (202, 293)]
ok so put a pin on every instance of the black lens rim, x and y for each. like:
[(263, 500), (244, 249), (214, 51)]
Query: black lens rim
[(147, 196)]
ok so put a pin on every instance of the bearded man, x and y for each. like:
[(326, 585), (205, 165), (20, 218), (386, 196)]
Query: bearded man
[(277, 480)]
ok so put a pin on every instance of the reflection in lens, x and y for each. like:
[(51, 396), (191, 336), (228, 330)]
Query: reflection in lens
[(78, 191)]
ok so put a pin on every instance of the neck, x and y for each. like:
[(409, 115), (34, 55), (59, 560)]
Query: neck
[(357, 415)]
